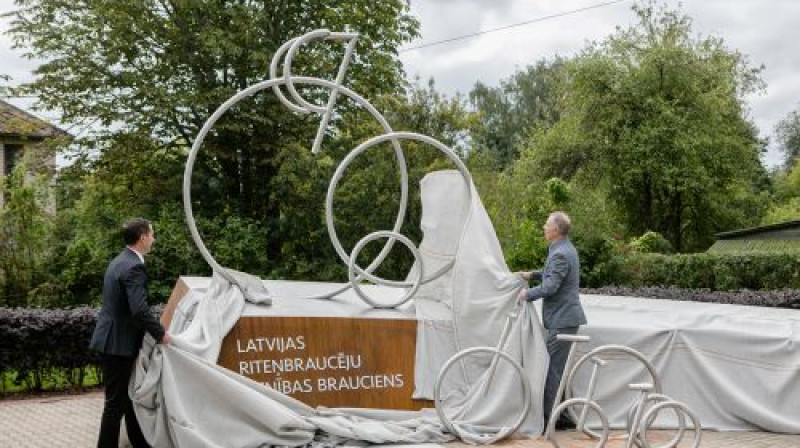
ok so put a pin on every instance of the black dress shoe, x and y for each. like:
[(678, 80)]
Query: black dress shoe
[(564, 424)]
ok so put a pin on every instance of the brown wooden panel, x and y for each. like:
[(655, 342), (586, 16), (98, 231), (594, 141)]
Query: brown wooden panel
[(178, 292), (328, 361)]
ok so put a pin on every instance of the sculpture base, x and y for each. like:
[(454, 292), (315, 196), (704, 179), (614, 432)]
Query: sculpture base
[(335, 352)]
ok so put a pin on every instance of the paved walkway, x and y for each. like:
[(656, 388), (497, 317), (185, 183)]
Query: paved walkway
[(72, 421)]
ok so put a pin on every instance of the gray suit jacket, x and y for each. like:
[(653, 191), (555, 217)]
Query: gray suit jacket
[(125, 315), (561, 305)]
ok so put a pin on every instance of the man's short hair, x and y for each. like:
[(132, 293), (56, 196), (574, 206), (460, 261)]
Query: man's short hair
[(134, 229), (562, 222)]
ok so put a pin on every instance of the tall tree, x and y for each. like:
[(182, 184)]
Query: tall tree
[(153, 71), (788, 135), (25, 225), (526, 99), (657, 116)]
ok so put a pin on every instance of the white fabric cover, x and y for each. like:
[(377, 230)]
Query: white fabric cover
[(736, 367), (467, 306)]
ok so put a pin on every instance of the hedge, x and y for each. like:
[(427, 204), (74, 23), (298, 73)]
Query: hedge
[(715, 272), (787, 298), (39, 346)]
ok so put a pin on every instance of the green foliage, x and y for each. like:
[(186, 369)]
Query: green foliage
[(651, 242), (787, 211), (657, 116), (527, 99), (154, 72), (519, 202), (25, 229), (719, 272), (47, 348), (786, 199), (787, 132)]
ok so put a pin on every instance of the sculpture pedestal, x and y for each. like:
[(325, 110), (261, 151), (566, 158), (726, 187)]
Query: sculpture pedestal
[(336, 353)]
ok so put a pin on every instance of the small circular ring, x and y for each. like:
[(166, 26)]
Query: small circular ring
[(679, 408), (567, 405), (354, 280)]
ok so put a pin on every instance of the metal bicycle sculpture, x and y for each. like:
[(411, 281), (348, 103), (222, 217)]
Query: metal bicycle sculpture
[(497, 353), (300, 105), (641, 415)]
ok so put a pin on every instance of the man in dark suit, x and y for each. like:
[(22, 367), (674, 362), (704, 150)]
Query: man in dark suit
[(121, 323), (561, 307)]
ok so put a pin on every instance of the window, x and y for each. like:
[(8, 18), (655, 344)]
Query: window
[(11, 154)]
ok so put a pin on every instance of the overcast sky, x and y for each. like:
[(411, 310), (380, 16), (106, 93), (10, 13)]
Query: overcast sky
[(767, 31)]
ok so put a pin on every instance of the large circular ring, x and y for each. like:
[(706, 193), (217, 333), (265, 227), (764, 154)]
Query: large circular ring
[(201, 136), (354, 280), (394, 137)]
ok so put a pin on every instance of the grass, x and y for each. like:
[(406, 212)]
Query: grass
[(53, 380)]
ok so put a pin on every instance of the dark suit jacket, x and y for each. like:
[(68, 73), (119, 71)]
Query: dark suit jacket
[(561, 305), (125, 315)]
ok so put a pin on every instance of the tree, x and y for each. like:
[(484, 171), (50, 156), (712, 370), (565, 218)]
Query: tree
[(656, 117), (526, 99), (25, 226), (151, 72), (788, 135)]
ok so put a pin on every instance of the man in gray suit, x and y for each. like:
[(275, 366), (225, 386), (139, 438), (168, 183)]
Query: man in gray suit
[(121, 323), (561, 307)]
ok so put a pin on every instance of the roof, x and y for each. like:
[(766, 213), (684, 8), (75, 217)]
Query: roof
[(751, 246), (15, 122), (757, 230)]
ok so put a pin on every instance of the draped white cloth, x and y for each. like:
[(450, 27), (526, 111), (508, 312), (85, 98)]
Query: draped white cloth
[(468, 306)]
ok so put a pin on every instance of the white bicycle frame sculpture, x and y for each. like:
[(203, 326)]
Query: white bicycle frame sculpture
[(497, 353), (296, 103), (640, 419), (641, 416)]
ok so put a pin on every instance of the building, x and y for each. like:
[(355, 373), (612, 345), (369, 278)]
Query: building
[(781, 237), (19, 132)]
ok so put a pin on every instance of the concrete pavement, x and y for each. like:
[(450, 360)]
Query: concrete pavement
[(73, 421)]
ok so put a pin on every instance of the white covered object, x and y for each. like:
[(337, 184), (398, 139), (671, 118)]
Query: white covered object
[(737, 367)]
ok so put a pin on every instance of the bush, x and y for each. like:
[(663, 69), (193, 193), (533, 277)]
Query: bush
[(47, 346), (651, 242), (715, 272)]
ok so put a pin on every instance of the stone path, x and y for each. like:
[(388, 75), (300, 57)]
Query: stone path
[(72, 421)]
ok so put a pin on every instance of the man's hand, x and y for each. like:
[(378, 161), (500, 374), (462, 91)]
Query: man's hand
[(166, 339), (524, 274), (522, 296)]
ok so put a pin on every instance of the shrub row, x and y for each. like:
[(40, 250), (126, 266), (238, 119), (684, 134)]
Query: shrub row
[(780, 299), (41, 347), (716, 272)]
